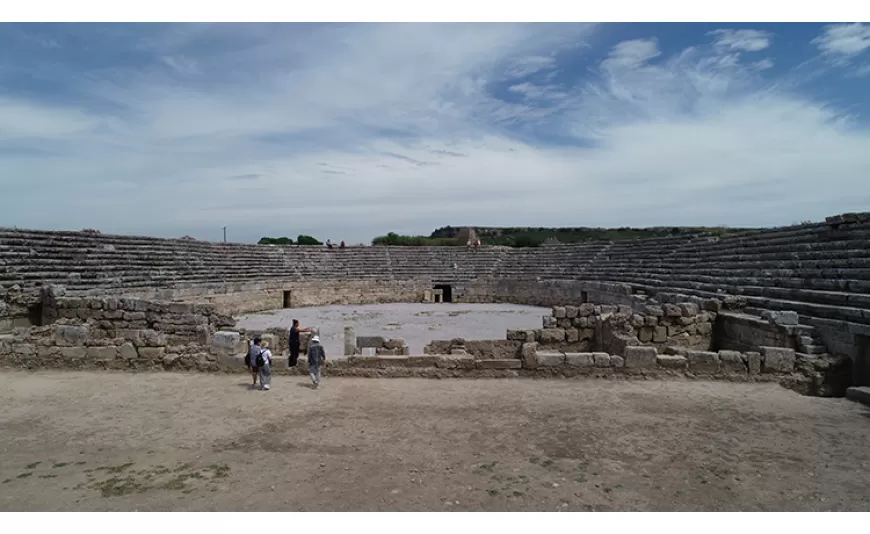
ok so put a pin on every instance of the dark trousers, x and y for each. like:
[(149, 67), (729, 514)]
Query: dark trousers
[(294, 355)]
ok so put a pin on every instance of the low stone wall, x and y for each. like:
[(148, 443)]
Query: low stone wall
[(378, 346), (736, 331), (541, 292), (493, 349)]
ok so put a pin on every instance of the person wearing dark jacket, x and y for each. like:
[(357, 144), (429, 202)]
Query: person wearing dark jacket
[(316, 357), (294, 341)]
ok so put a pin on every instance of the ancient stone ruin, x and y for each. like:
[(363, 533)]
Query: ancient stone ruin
[(788, 304)]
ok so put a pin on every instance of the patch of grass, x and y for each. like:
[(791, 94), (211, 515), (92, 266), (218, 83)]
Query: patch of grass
[(48, 476), (119, 468), (547, 463), (117, 487), (492, 492), (219, 471), (8, 480), (24, 475), (81, 463), (60, 464), (534, 459), (488, 467), (517, 493), (33, 465)]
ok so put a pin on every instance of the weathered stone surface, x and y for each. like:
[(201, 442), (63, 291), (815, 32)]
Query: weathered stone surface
[(572, 335), (102, 354), (753, 362), (559, 312), (499, 364), (551, 359), (777, 360), (549, 321), (71, 336), (73, 353), (552, 335), (781, 317), (660, 334), (732, 362), (640, 357), (128, 352), (225, 342), (585, 310), (672, 310), (395, 343), (654, 311), (516, 335), (671, 361), (349, 341), (369, 342), (579, 359), (689, 309), (617, 361), (529, 355), (570, 312), (530, 336), (703, 361), (601, 359), (645, 334)]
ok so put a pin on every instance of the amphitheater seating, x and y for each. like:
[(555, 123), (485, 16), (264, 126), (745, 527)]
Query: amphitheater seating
[(814, 269)]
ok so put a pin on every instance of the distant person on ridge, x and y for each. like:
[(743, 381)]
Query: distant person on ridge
[(328, 243), (294, 342), (342, 244), (316, 357)]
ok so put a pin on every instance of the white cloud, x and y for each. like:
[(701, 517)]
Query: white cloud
[(741, 40), (844, 39), (352, 131)]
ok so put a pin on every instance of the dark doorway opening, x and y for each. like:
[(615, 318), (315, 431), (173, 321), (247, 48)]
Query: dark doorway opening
[(288, 299), (584, 297), (447, 291), (34, 315)]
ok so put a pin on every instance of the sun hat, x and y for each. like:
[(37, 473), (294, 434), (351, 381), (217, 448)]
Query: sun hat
[(315, 339)]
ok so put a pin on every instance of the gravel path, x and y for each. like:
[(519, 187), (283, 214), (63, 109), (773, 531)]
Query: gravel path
[(173, 441)]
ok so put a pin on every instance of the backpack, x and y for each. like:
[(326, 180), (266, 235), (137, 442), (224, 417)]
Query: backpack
[(260, 361)]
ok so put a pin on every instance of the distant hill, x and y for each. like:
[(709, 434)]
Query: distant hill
[(533, 237)]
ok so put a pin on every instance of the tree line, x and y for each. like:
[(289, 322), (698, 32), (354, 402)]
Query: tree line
[(300, 240)]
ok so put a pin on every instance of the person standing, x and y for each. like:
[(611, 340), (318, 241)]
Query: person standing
[(294, 342), (251, 359), (316, 357), (264, 367)]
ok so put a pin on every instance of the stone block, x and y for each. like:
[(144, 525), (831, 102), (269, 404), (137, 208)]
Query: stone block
[(563, 323), (551, 359), (704, 328), (513, 363), (645, 334), (128, 352), (654, 311), (601, 359), (529, 355), (549, 322), (781, 317), (102, 354), (731, 361), (712, 305), (651, 320), (637, 320), (689, 309), (777, 360), (572, 335), (559, 312), (607, 308), (349, 341), (71, 336), (586, 334), (701, 361), (570, 312), (585, 310), (370, 351), (672, 310), (753, 362), (364, 342), (423, 361), (671, 361), (225, 342), (530, 336), (516, 335), (384, 361), (660, 334), (553, 335), (638, 357), (579, 359), (617, 361), (395, 343), (73, 353)]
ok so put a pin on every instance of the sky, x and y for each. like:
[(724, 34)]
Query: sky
[(349, 131)]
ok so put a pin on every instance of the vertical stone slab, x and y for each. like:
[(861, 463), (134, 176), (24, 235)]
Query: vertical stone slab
[(349, 341)]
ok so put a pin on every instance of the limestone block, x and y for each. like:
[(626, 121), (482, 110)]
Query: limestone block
[(581, 322), (676, 350), (24, 349), (671, 361), (551, 359), (499, 364), (226, 341), (549, 321), (781, 317), (753, 362), (645, 334), (516, 335), (529, 355), (689, 309), (638, 357), (703, 361), (672, 310), (405, 350), (660, 334), (128, 352), (530, 336), (617, 361), (570, 312), (572, 335), (585, 310), (651, 320), (712, 305), (553, 335), (608, 308), (777, 360), (579, 359), (422, 361), (372, 351), (704, 328), (364, 342), (686, 321), (563, 323), (586, 334), (637, 320), (73, 353), (349, 340), (732, 362), (655, 311), (71, 336), (456, 361), (102, 354), (395, 343), (601, 359), (559, 312)]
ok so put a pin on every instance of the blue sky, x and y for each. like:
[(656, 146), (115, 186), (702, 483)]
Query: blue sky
[(347, 131)]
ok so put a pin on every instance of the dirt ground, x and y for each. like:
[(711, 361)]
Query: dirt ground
[(114, 441)]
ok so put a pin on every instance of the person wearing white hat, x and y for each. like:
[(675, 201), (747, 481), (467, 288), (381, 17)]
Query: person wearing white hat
[(316, 357)]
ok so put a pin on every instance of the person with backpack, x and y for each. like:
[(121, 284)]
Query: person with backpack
[(264, 366), (316, 357), (251, 359)]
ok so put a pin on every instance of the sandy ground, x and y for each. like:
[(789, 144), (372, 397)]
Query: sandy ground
[(113, 441), (417, 324)]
